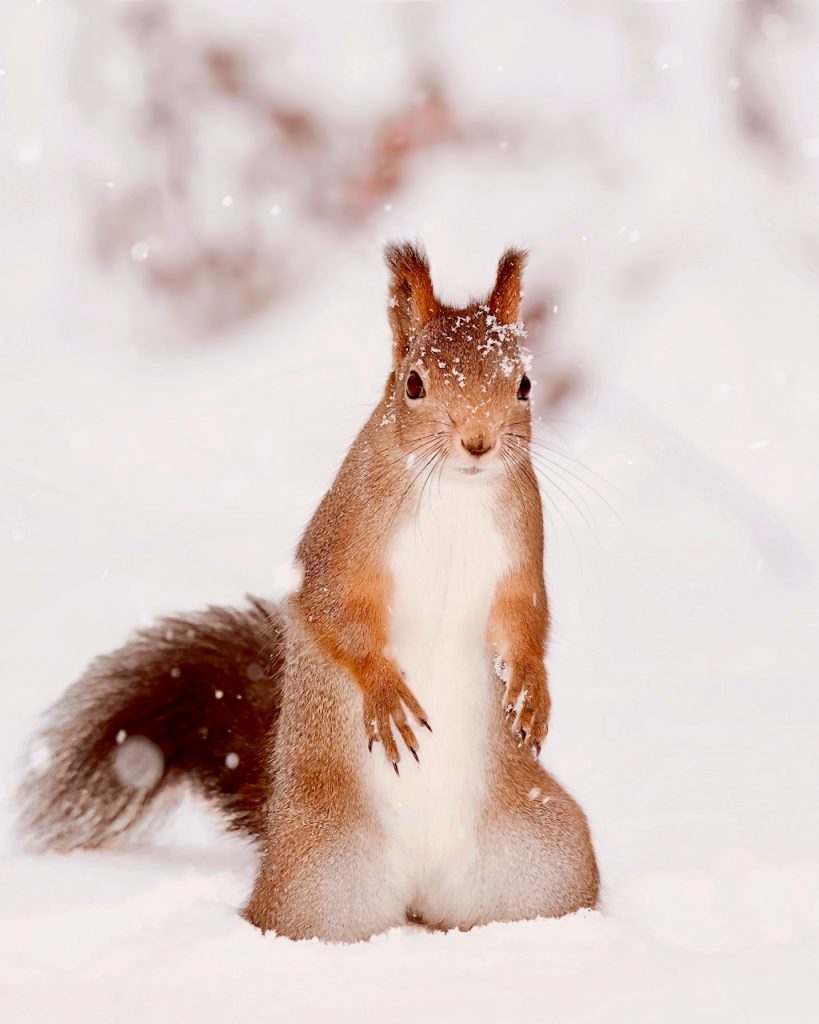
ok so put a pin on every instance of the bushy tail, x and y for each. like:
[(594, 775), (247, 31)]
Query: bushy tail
[(191, 699)]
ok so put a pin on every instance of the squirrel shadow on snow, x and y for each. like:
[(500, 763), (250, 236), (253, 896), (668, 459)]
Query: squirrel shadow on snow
[(419, 627)]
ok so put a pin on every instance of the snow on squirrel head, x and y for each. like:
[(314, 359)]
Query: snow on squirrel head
[(459, 391)]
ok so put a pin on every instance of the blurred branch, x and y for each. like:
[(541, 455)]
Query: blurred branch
[(289, 162)]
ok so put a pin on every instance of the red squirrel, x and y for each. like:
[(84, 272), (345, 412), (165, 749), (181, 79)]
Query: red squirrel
[(418, 630)]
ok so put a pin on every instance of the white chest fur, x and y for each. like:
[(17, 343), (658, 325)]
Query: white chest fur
[(446, 560)]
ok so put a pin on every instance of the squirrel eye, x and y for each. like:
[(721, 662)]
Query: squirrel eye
[(415, 386), (524, 388)]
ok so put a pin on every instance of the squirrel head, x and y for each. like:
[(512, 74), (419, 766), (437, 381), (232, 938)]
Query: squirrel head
[(459, 388)]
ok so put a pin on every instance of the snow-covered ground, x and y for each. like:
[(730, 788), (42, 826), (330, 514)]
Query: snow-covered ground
[(147, 465)]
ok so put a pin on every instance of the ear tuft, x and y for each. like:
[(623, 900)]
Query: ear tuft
[(412, 298), (504, 302)]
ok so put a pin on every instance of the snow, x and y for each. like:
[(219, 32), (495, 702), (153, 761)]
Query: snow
[(140, 251), (147, 465), (138, 763), (287, 579)]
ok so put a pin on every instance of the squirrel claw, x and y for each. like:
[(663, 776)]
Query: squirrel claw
[(370, 742), (414, 753), (385, 711), (426, 724)]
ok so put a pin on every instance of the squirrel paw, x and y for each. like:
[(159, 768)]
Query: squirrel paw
[(526, 703), (384, 709)]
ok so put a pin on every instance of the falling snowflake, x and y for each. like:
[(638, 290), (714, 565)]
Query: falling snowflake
[(138, 763)]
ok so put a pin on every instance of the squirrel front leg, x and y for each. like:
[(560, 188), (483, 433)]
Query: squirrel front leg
[(351, 626), (518, 628)]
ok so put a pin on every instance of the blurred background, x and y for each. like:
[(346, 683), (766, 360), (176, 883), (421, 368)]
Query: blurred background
[(194, 197)]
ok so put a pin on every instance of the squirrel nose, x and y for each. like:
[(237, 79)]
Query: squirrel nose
[(476, 445)]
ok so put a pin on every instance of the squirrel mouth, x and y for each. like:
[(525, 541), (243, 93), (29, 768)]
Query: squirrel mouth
[(470, 470)]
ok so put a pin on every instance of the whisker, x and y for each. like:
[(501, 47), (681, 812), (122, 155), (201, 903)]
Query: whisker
[(525, 465), (548, 352), (547, 468), (427, 478), (572, 458), (414, 451), (539, 442), (554, 483), (441, 465), (541, 422), (564, 469), (428, 458)]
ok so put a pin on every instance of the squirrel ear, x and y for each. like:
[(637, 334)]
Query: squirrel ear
[(412, 299), (504, 302)]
